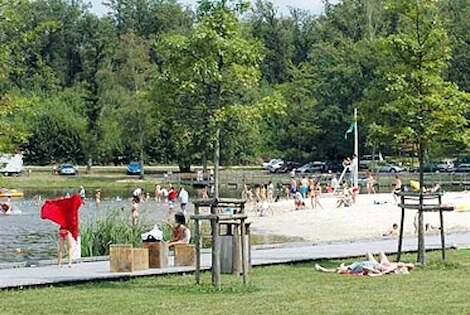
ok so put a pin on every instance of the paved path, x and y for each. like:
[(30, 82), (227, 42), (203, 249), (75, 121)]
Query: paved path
[(285, 253)]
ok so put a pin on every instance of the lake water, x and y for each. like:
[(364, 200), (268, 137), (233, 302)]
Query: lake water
[(25, 237)]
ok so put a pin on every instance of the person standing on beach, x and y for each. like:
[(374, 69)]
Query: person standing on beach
[(184, 198), (293, 186), (370, 183), (172, 196), (135, 210), (270, 190), (158, 193), (304, 187), (317, 195), (334, 182), (396, 187), (82, 193), (98, 197)]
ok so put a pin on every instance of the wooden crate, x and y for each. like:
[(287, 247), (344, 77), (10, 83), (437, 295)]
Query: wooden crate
[(124, 258), (185, 255), (158, 254)]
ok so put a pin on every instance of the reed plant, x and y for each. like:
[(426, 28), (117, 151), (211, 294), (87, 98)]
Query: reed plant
[(114, 228)]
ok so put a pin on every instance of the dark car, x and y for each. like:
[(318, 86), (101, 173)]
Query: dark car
[(287, 167), (463, 168), (313, 167), (67, 169), (334, 166), (133, 168), (436, 167)]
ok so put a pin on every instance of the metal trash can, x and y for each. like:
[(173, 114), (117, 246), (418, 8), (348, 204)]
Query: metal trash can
[(230, 248)]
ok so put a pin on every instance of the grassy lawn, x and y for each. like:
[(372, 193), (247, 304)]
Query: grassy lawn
[(288, 289)]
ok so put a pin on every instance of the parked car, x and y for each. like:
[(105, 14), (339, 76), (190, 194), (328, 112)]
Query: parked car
[(463, 168), (436, 167), (286, 167), (271, 162), (334, 166), (67, 169), (133, 168), (367, 159), (462, 160), (312, 167), (275, 166), (390, 168)]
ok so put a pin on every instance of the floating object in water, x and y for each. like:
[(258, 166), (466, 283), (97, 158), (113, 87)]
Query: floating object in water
[(118, 198), (12, 193)]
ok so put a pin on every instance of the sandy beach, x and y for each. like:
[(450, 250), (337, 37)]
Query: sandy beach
[(364, 220)]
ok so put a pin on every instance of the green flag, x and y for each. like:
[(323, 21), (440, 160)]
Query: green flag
[(351, 129)]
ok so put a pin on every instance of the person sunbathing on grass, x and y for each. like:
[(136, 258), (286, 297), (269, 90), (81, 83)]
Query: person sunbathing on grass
[(370, 267)]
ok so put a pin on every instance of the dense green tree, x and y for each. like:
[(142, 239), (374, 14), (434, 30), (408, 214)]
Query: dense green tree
[(419, 106), (124, 93)]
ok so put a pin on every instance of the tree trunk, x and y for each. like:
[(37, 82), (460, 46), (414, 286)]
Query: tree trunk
[(204, 163), (142, 174), (216, 163), (421, 251)]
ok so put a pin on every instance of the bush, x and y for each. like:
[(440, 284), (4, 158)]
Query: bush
[(114, 228)]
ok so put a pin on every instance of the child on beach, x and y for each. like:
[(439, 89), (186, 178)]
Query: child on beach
[(393, 232), (298, 201), (135, 210)]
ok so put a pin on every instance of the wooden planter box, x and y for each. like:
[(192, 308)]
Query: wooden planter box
[(125, 258), (185, 255), (158, 254)]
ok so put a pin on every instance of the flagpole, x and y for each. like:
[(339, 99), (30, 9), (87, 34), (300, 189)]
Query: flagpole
[(356, 150)]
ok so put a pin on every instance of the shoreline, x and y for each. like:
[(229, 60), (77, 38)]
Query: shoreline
[(362, 221)]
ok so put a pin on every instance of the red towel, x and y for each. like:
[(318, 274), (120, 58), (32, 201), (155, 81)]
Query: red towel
[(64, 212)]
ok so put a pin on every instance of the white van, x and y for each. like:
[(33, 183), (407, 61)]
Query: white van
[(11, 165)]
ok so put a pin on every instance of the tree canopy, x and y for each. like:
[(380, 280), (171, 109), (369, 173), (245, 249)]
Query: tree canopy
[(155, 80)]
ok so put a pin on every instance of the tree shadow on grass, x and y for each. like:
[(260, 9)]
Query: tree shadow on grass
[(173, 284)]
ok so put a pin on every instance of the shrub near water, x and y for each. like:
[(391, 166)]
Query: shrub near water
[(114, 228)]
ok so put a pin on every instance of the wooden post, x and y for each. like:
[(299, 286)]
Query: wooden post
[(197, 239), (244, 257), (421, 251), (215, 248), (443, 241), (402, 226)]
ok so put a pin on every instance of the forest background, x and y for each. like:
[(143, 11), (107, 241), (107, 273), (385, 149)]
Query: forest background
[(156, 80)]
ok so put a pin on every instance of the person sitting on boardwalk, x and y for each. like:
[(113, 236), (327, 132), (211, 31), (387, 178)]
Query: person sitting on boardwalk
[(181, 233), (370, 267)]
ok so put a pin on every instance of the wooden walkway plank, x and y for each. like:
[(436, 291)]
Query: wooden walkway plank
[(262, 255)]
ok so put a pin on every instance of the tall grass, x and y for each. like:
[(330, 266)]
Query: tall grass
[(114, 228)]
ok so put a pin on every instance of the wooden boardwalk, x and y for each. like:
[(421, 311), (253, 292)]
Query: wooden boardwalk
[(262, 255)]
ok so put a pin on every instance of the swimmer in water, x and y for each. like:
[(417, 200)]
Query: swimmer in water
[(6, 208)]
